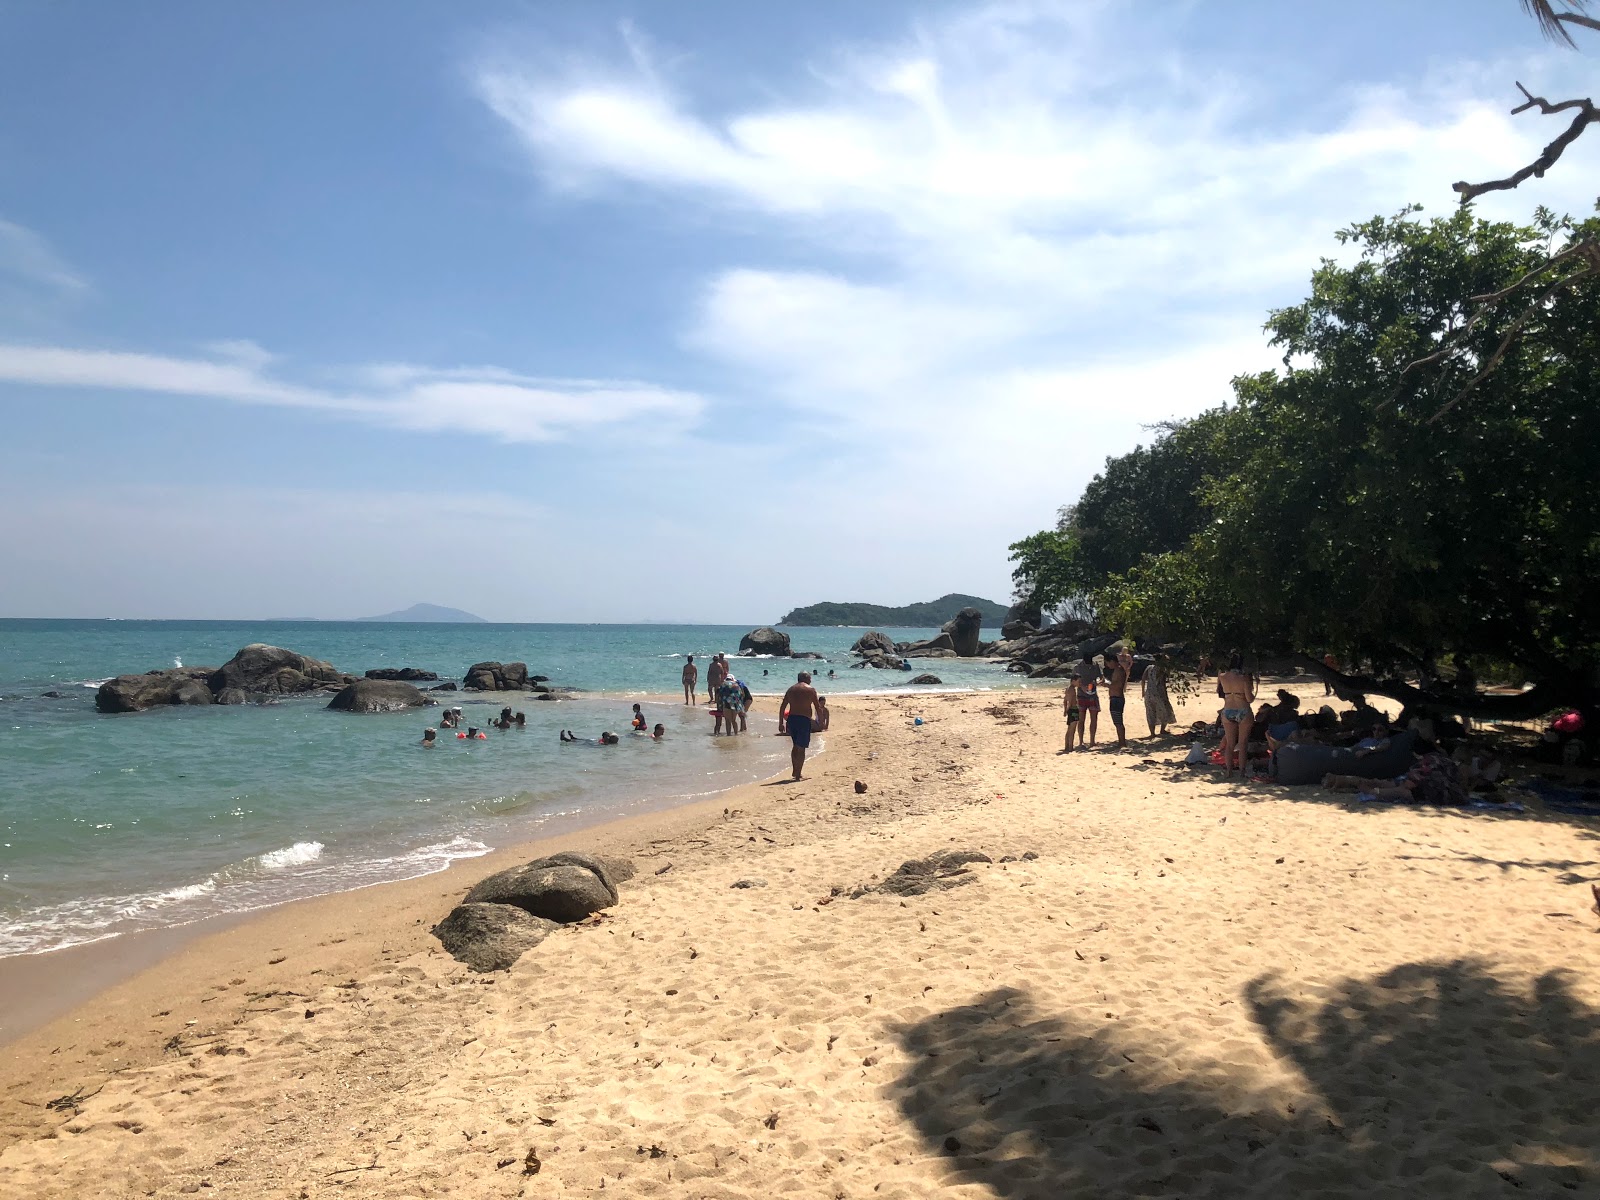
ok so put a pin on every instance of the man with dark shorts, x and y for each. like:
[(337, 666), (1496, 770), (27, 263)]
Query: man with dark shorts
[(1117, 686), (795, 716)]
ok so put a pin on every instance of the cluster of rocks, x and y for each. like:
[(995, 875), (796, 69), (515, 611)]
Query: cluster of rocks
[(503, 677), (512, 911), (261, 673), (960, 637)]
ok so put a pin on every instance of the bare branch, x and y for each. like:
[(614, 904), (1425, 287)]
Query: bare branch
[(1587, 114)]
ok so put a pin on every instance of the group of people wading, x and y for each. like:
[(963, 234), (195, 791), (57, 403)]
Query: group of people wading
[(801, 712)]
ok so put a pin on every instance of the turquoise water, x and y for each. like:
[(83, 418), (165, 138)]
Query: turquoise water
[(115, 823)]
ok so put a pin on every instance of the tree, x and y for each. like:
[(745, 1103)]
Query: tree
[(1358, 516)]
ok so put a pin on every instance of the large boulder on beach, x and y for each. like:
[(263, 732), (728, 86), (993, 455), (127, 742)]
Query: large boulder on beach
[(561, 887), (379, 695), (765, 640), (965, 630), (496, 677), (926, 679), (941, 641), (490, 937), (135, 693), (409, 674), (259, 669), (873, 640)]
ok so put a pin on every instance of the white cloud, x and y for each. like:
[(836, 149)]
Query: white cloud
[(28, 259), (486, 401)]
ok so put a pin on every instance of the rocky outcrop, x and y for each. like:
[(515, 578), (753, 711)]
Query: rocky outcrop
[(882, 661), (448, 685), (965, 630), (490, 937), (765, 640), (936, 873), (873, 640), (262, 670), (1024, 618), (941, 641), (498, 677), (379, 695), (256, 671), (409, 674), (561, 887), (135, 693), (929, 679)]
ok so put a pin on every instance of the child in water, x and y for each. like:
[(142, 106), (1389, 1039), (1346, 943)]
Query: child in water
[(638, 721), (659, 732)]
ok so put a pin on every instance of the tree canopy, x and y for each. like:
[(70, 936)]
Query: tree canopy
[(1383, 495)]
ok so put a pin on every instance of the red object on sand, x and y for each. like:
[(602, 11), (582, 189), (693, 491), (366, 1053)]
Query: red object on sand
[(1569, 722)]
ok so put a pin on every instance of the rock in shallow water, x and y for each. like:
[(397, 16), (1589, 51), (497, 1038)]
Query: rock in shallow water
[(379, 695)]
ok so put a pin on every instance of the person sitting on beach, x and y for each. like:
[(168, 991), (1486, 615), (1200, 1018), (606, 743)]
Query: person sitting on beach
[(691, 676), (428, 736), (823, 715), (638, 722), (659, 732), (1376, 740), (795, 714), (1233, 685)]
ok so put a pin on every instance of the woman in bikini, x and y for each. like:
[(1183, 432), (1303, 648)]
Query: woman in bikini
[(1233, 685)]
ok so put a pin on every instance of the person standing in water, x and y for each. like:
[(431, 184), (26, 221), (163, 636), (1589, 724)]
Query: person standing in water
[(795, 714), (691, 676), (715, 674)]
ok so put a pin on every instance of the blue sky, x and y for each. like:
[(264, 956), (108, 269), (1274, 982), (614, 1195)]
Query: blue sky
[(597, 311)]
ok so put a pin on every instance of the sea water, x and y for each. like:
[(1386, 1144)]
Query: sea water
[(114, 823)]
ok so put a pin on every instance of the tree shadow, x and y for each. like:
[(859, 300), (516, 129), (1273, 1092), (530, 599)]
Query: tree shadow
[(1431, 1079)]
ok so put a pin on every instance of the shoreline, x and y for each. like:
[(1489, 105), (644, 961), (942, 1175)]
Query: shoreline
[(42, 987), (1145, 944)]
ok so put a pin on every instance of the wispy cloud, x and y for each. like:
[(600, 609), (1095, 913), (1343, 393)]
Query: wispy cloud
[(27, 261), (485, 401)]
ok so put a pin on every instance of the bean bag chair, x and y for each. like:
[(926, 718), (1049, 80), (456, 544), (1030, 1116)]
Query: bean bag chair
[(1307, 762)]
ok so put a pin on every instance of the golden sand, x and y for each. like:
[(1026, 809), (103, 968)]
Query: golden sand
[(1194, 989)]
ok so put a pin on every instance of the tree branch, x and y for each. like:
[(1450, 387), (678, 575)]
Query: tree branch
[(1587, 114), (1535, 702)]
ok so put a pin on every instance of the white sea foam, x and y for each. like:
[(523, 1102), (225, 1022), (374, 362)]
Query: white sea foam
[(297, 855)]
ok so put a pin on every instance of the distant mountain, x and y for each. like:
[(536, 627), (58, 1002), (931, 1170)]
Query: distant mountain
[(927, 615), (430, 612)]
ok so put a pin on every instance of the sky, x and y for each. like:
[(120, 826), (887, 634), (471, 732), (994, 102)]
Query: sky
[(667, 310)]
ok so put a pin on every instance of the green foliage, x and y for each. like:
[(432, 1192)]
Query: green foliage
[(1346, 503), (926, 615)]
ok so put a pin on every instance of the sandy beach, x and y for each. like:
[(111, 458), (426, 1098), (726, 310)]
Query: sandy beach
[(1161, 985)]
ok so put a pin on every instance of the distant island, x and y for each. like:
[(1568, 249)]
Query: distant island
[(928, 615), (430, 612)]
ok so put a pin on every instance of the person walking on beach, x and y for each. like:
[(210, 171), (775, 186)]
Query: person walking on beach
[(1069, 707), (1086, 677), (1233, 685), (691, 676), (795, 714), (1332, 663), (1117, 687), (1157, 704)]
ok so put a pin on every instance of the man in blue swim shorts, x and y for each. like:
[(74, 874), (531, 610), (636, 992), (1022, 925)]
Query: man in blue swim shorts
[(795, 716)]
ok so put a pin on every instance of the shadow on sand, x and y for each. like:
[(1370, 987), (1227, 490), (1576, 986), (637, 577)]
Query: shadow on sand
[(1433, 1079)]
